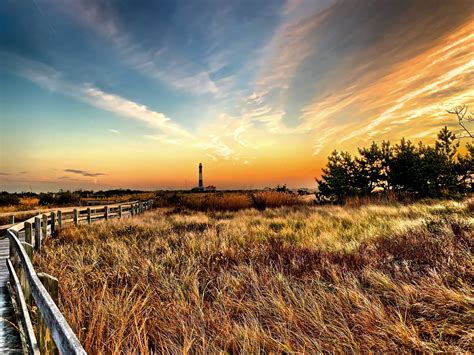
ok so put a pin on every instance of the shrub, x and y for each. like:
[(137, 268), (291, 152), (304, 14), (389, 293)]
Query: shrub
[(7, 199)]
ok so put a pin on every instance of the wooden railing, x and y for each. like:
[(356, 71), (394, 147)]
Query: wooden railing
[(29, 288)]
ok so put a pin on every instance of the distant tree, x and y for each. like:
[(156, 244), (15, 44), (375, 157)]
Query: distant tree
[(7, 199), (447, 146), (282, 188), (374, 164), (465, 170), (339, 178), (46, 199), (419, 171), (404, 168)]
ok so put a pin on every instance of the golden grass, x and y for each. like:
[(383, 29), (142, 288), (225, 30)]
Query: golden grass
[(217, 201), (26, 203), (235, 201), (29, 202), (293, 279), (122, 198)]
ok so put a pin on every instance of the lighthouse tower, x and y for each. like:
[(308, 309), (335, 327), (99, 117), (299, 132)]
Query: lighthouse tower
[(201, 186)]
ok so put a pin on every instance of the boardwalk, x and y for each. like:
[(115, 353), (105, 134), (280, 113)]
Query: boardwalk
[(54, 323), (10, 342)]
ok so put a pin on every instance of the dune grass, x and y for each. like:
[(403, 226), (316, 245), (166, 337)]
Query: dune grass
[(291, 279)]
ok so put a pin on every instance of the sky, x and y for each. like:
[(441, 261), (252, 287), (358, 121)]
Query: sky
[(134, 94)]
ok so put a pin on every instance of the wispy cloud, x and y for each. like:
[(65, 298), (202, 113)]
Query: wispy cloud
[(51, 79), (218, 147), (4, 174), (111, 130), (411, 100), (177, 75), (83, 172), (163, 139)]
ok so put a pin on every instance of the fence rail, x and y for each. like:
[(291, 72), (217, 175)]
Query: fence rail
[(53, 333)]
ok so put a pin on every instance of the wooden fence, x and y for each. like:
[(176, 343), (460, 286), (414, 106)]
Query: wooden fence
[(31, 290)]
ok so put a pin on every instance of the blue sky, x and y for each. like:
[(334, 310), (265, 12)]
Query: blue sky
[(240, 85)]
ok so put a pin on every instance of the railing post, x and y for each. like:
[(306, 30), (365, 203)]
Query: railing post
[(15, 259), (120, 211), (53, 223), (45, 226), (11, 220), (37, 233), (45, 339), (23, 279), (28, 232), (60, 220), (75, 216), (106, 213), (89, 215)]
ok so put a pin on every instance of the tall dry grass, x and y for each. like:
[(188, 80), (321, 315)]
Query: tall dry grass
[(26, 203), (235, 201), (217, 202), (294, 279)]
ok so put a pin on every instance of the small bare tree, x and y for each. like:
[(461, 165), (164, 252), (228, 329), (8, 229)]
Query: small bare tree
[(460, 112)]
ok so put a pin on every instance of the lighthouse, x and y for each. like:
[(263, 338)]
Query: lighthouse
[(200, 185)]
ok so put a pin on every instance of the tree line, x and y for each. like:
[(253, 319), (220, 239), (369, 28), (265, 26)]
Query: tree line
[(404, 169)]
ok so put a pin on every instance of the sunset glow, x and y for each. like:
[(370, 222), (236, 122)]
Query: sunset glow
[(97, 94)]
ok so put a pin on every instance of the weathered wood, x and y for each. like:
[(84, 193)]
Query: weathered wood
[(24, 282), (16, 309), (106, 213), (25, 316), (47, 210), (28, 232), (11, 220), (53, 223), (89, 215), (37, 234), (76, 216), (45, 225), (14, 258), (60, 220), (63, 336), (120, 212), (45, 340)]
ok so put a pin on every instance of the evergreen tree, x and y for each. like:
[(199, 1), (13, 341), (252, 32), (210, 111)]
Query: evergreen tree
[(374, 164), (404, 168), (337, 181), (404, 175), (464, 170)]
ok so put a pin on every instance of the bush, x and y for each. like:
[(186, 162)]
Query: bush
[(7, 199), (62, 198)]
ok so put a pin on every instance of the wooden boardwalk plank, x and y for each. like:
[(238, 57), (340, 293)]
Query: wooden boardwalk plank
[(10, 342)]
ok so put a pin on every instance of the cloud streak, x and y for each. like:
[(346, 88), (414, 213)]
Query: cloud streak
[(49, 78), (83, 173)]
